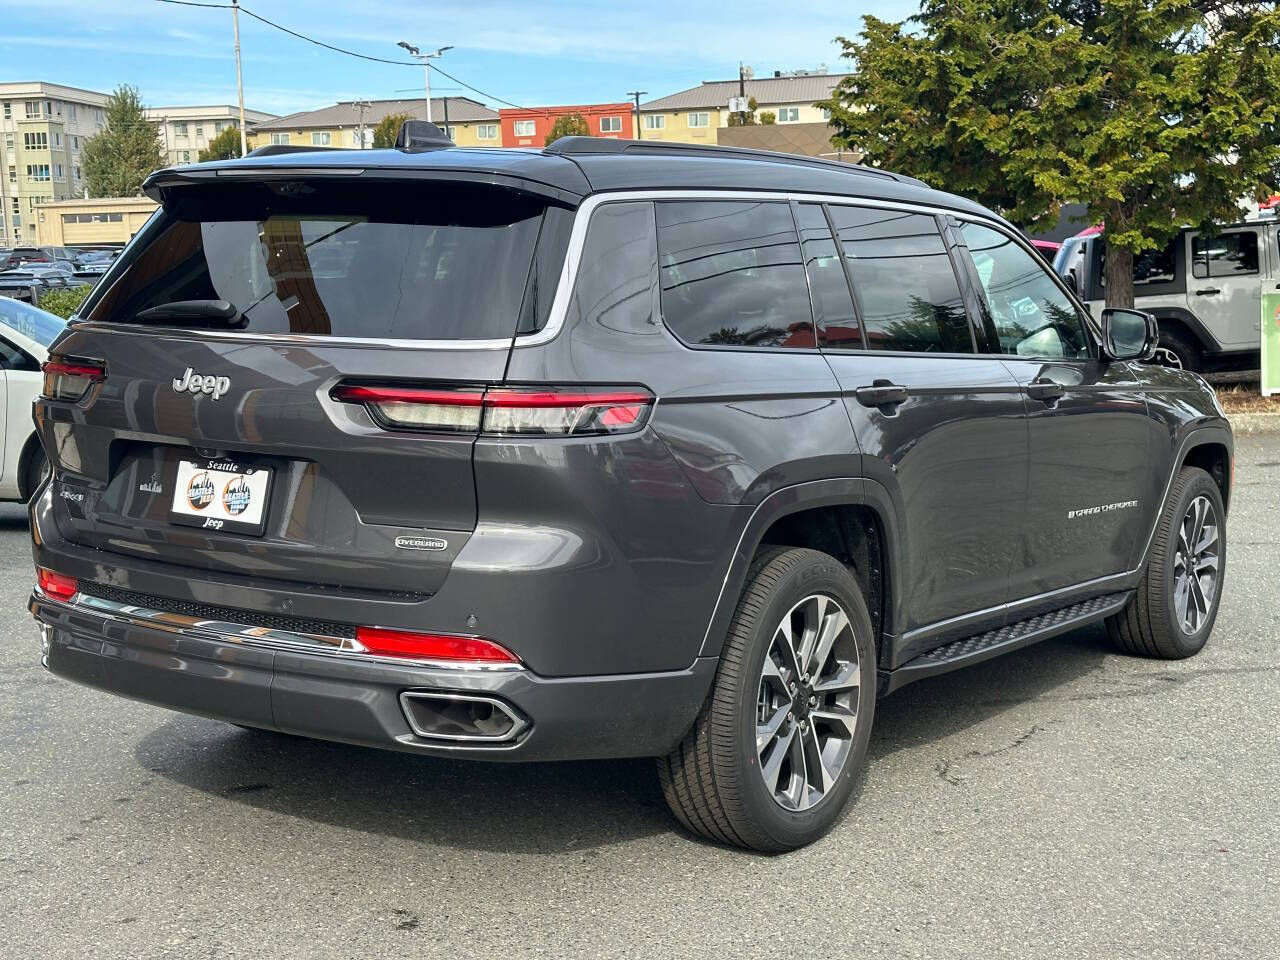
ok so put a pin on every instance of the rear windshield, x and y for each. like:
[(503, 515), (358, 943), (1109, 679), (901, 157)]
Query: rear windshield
[(383, 261)]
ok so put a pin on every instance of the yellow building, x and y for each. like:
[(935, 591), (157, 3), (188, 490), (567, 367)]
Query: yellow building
[(698, 114), (185, 131), (74, 223), (468, 123)]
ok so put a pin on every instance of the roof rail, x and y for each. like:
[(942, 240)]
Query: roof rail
[(583, 146), (275, 149)]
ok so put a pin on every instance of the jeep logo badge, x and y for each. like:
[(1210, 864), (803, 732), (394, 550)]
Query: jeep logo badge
[(191, 382), (421, 543)]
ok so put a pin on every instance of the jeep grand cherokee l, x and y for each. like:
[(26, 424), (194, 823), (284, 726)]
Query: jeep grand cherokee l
[(609, 449)]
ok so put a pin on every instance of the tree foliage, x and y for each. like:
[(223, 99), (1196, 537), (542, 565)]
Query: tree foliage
[(117, 160), (222, 147), (1153, 113), (64, 301), (568, 125), (388, 128)]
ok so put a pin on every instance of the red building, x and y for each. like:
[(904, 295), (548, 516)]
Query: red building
[(529, 126)]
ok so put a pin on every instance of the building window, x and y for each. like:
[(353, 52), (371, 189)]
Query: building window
[(524, 128), (199, 129), (32, 109), (179, 129), (610, 124), (38, 172), (698, 119), (321, 138), (655, 121), (75, 143), (217, 126), (184, 156), (97, 116), (70, 218), (826, 114), (115, 218), (8, 142), (35, 141), (451, 132), (280, 138), (8, 110), (487, 131), (59, 172), (71, 111), (76, 172), (788, 114), (13, 174), (57, 139)]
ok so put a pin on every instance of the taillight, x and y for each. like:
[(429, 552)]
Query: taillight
[(527, 411), (389, 642), (56, 585), (67, 379)]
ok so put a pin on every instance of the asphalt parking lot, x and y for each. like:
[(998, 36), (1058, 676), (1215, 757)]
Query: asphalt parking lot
[(1064, 801)]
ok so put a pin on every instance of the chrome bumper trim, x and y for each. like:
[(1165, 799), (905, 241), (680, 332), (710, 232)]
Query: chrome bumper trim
[(226, 632)]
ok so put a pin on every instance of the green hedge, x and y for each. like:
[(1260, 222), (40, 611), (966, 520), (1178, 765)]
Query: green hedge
[(63, 302)]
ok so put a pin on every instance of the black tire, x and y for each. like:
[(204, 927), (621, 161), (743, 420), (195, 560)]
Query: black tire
[(713, 779), (34, 473), (1149, 625), (1180, 350)]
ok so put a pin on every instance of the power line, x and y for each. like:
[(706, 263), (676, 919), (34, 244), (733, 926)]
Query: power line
[(328, 46)]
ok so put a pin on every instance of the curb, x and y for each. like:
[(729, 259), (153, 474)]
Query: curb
[(1252, 423)]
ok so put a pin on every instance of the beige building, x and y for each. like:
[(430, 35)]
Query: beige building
[(72, 223), (468, 123), (185, 131), (698, 114), (44, 127)]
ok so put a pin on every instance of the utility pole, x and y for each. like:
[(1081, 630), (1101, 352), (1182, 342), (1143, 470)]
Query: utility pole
[(742, 95), (426, 59), (360, 106), (235, 21), (636, 95)]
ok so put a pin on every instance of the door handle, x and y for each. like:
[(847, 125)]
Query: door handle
[(881, 393), (1207, 291), (1046, 390)]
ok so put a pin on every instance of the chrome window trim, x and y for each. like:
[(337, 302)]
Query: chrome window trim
[(245, 634)]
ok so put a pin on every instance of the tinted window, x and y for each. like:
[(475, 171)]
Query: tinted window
[(1225, 255), (340, 259), (907, 291), (1033, 317), (828, 286), (11, 358), (1149, 266), (732, 275), (614, 287)]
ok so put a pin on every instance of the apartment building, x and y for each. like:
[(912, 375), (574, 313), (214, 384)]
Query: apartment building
[(529, 126), (185, 131), (698, 114), (44, 127), (468, 122)]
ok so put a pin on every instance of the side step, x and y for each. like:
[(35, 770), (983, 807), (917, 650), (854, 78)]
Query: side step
[(1012, 636)]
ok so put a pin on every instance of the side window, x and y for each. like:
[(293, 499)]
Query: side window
[(828, 288), (906, 289), (1226, 255), (1033, 317), (11, 358), (614, 286), (732, 275)]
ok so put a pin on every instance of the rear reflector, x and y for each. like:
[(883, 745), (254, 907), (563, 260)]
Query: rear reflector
[(56, 585), (535, 411), (388, 642), (67, 379)]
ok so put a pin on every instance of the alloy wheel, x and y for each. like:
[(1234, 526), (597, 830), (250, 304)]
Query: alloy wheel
[(1164, 357), (807, 705), (1196, 565)]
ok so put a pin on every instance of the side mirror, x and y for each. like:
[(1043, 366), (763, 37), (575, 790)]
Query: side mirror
[(1129, 334)]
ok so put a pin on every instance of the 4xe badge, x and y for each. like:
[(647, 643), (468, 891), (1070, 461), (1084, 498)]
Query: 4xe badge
[(192, 382)]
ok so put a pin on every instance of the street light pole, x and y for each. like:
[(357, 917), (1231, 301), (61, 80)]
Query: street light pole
[(235, 20), (426, 59)]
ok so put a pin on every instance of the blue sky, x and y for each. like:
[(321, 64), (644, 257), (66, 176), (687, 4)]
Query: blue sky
[(529, 53)]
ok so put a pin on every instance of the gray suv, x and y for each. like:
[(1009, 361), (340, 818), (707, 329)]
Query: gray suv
[(610, 449)]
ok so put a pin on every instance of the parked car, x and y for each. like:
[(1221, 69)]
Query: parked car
[(92, 263), (1204, 289), (33, 278), (609, 449), (25, 335)]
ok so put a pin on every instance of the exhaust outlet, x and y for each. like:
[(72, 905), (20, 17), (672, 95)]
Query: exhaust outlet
[(461, 717)]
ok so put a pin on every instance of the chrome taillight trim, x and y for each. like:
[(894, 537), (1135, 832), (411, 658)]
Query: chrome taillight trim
[(247, 635)]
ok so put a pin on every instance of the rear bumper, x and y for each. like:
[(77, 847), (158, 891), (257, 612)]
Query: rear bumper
[(358, 700)]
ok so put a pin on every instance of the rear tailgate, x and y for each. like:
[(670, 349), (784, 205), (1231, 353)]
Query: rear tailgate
[(338, 285)]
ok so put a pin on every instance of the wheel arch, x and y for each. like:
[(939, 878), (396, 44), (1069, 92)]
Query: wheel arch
[(1187, 323), (1214, 457), (853, 519), (29, 449)]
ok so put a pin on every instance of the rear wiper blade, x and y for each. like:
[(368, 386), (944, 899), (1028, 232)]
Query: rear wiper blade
[(221, 313)]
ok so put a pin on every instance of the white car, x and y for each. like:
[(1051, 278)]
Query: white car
[(25, 335)]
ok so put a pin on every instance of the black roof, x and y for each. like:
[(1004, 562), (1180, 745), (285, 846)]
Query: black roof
[(570, 171)]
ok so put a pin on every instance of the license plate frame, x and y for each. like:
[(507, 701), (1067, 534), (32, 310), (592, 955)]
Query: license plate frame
[(222, 494)]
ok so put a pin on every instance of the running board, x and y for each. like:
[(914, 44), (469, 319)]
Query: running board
[(1012, 636)]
